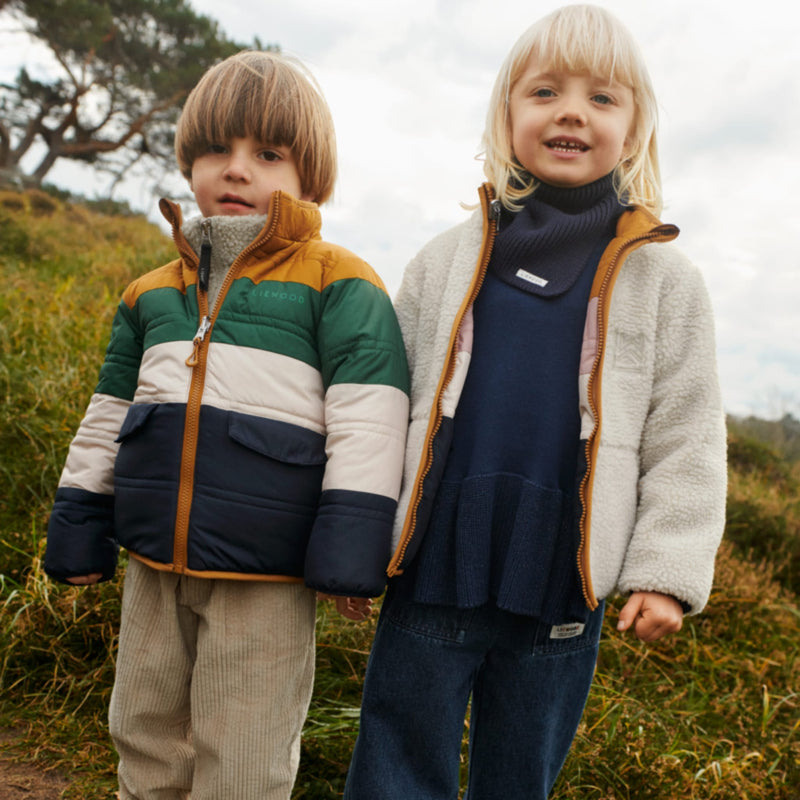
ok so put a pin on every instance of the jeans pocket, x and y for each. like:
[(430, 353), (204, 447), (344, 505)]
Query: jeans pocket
[(442, 623)]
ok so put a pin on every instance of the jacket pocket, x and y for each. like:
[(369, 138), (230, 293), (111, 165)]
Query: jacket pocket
[(257, 485), (278, 440), (135, 419), (146, 475)]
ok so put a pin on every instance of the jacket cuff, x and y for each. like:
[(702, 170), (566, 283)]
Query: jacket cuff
[(80, 536), (350, 544)]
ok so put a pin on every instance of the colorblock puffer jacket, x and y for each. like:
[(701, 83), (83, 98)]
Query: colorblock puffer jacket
[(261, 441)]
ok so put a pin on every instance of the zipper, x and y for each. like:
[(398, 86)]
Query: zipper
[(199, 337), (197, 363), (495, 210), (493, 215), (204, 268), (594, 378)]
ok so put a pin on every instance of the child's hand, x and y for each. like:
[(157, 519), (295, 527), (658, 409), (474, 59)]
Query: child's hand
[(355, 608), (651, 614), (85, 580)]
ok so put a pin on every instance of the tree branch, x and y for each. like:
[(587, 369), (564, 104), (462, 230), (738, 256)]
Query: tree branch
[(119, 71), (5, 144), (78, 149)]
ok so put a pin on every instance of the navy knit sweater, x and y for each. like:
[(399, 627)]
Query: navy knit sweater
[(504, 526)]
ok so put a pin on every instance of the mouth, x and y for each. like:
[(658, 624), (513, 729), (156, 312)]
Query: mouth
[(234, 200), (567, 145)]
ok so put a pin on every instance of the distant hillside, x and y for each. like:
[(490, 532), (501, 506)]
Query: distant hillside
[(709, 714), (63, 268), (782, 434)]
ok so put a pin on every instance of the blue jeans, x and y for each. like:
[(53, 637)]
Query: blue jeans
[(528, 692)]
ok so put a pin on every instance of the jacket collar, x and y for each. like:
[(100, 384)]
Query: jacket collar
[(637, 222), (289, 221)]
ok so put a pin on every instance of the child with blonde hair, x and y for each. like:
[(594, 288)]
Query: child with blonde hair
[(244, 444), (566, 440)]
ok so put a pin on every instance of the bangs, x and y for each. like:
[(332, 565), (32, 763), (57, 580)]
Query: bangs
[(585, 42), (244, 102)]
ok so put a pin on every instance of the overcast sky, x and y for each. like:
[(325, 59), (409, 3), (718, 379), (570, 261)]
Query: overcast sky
[(408, 84)]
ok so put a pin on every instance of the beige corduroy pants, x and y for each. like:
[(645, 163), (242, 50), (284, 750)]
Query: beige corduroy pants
[(213, 683)]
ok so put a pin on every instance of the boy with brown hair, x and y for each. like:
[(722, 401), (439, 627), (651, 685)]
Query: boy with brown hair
[(244, 444)]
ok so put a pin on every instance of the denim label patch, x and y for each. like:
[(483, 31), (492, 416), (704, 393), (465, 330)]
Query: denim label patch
[(567, 631)]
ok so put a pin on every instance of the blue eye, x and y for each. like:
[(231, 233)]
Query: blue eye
[(544, 93), (602, 99)]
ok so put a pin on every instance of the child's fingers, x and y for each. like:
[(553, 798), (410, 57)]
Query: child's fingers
[(85, 580), (355, 608), (652, 615), (630, 611), (649, 629)]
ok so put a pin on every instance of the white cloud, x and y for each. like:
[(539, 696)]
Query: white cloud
[(408, 83)]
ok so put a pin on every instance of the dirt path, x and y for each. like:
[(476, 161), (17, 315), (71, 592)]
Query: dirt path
[(26, 781)]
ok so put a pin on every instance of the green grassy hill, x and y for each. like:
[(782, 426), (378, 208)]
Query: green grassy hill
[(712, 713)]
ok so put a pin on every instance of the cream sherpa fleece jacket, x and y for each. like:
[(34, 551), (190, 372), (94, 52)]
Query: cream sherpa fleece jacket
[(653, 491)]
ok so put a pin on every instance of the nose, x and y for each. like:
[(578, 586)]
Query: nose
[(236, 167), (571, 110)]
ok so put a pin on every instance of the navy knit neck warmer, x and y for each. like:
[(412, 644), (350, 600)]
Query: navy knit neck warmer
[(544, 247)]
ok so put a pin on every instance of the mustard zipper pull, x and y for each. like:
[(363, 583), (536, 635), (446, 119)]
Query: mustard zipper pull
[(205, 326)]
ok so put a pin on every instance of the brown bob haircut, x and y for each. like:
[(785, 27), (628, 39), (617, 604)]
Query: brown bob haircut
[(271, 97)]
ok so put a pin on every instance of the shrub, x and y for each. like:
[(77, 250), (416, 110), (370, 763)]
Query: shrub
[(763, 513), (41, 204), (14, 239)]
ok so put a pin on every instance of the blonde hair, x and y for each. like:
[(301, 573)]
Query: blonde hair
[(577, 38), (272, 97)]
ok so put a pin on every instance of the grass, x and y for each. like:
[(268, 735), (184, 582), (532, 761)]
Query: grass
[(710, 714)]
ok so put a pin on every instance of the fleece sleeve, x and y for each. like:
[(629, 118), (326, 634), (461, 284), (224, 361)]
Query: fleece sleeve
[(407, 306), (365, 376), (682, 487), (80, 533)]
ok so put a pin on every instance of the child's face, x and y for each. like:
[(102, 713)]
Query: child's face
[(238, 177), (569, 129)]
